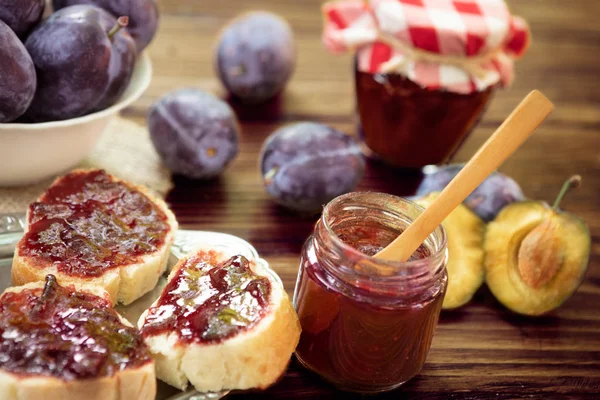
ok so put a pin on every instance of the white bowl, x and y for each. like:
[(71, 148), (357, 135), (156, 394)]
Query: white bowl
[(30, 153)]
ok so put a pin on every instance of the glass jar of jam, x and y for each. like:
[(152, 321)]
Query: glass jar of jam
[(424, 70), (367, 324), (409, 126)]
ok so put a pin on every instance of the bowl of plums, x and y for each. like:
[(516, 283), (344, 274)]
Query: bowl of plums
[(67, 68)]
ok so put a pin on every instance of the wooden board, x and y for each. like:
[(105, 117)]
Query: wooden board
[(482, 350)]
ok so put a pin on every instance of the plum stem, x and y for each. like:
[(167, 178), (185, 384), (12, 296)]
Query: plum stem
[(572, 182), (268, 177), (238, 70), (122, 22), (49, 288)]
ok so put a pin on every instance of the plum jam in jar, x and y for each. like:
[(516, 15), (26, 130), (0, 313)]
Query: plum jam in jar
[(409, 126), (368, 324), (424, 70)]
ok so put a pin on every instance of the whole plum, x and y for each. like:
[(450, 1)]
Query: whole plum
[(122, 61), (195, 133), (143, 16), (73, 56), (256, 56), (21, 15), (497, 191), (305, 165), (17, 73)]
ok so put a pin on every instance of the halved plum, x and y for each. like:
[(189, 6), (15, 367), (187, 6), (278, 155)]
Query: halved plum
[(536, 255), (465, 232)]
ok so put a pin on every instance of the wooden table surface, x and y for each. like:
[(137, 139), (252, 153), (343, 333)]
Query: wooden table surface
[(482, 350)]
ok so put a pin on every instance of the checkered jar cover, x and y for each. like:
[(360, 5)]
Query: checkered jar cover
[(457, 45)]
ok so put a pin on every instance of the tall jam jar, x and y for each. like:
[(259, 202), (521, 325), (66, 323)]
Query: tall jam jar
[(424, 71), (368, 324)]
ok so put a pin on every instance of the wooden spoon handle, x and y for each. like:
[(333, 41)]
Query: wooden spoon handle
[(521, 123)]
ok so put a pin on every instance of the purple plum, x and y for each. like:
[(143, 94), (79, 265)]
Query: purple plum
[(497, 191), (305, 165), (18, 76), (256, 56), (143, 16), (122, 62), (21, 15), (74, 52), (195, 133)]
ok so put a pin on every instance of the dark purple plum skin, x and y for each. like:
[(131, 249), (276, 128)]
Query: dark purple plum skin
[(307, 164), (256, 56), (195, 134), (18, 76), (72, 55), (143, 16), (21, 15), (122, 63), (496, 192)]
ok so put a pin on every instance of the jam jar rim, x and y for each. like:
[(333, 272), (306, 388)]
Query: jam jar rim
[(438, 256)]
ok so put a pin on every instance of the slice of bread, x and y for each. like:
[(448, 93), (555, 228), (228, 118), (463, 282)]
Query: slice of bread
[(252, 358), (126, 281), (137, 382)]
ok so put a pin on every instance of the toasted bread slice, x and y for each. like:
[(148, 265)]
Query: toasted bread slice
[(213, 355), (131, 380), (96, 230)]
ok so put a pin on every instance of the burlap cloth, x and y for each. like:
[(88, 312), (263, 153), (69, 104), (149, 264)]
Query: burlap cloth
[(124, 150)]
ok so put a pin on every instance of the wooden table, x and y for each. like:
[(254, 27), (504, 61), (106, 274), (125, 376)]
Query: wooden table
[(482, 350)]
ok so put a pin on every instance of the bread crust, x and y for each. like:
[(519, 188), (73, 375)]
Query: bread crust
[(130, 384), (256, 358), (125, 283)]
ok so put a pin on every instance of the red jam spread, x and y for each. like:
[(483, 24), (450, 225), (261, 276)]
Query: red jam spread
[(207, 301), (58, 332), (410, 126), (87, 223), (355, 338)]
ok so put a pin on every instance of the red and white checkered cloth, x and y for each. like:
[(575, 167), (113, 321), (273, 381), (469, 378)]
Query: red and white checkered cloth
[(477, 31)]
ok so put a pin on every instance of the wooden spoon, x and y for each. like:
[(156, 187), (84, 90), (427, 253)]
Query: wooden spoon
[(521, 123)]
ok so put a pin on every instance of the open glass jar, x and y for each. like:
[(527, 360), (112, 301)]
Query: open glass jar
[(367, 324)]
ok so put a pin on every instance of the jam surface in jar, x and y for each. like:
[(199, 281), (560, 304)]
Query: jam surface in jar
[(358, 338), (370, 241), (207, 301), (58, 332), (87, 223), (410, 126)]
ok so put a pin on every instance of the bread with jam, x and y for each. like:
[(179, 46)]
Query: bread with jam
[(222, 322), (68, 343), (90, 228)]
